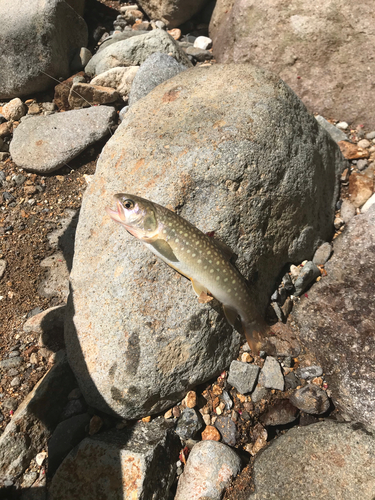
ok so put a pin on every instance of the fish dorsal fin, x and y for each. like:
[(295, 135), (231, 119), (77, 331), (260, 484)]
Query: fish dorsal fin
[(231, 314), (198, 288), (164, 249)]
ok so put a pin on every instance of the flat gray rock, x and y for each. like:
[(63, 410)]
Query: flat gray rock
[(137, 337), (139, 462), (243, 376), (134, 51), (336, 134), (155, 70), (45, 143), (209, 469), (30, 50), (271, 376), (324, 460), (336, 321)]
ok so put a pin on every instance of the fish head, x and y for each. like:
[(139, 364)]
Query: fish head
[(136, 214)]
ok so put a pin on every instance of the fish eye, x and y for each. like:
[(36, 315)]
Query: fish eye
[(128, 204)]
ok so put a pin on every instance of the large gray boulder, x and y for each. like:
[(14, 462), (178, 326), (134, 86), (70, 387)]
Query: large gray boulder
[(232, 150), (134, 51), (37, 44), (299, 40), (336, 321), (324, 460)]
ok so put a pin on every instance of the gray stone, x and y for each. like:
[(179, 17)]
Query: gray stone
[(120, 79), (322, 254), (243, 376), (336, 134), (259, 393), (155, 70), (119, 37), (362, 164), (32, 52), (291, 381), (136, 360), (32, 423), (15, 382), (308, 372), (336, 322), (347, 211), (189, 423), (271, 376), (311, 399), (134, 51), (45, 143), (80, 60), (209, 469), (66, 435), (370, 135), (298, 41), (280, 413), (172, 12), (307, 275), (199, 55), (324, 460), (139, 462), (227, 429), (5, 364)]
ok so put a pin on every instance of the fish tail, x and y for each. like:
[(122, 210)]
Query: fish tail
[(255, 333)]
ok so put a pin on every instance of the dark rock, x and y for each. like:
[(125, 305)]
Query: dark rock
[(227, 429), (243, 376), (311, 399), (322, 254), (281, 413), (271, 376), (308, 372), (291, 381), (189, 423), (307, 275)]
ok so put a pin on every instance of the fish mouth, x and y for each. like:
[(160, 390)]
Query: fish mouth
[(116, 214)]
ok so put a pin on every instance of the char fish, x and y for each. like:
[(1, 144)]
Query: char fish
[(196, 256)]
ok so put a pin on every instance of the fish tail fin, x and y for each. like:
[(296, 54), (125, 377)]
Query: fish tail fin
[(255, 333)]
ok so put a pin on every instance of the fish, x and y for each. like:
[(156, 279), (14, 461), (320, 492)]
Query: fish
[(196, 256)]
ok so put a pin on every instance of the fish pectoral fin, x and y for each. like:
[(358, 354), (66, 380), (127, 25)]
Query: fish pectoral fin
[(199, 288), (231, 314), (164, 249)]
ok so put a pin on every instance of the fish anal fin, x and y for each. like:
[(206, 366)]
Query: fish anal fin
[(231, 314), (198, 288), (164, 249)]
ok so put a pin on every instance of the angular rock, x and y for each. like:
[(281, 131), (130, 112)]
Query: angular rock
[(45, 143), (336, 134), (83, 95), (336, 322), (352, 151), (14, 109), (243, 376), (32, 52), (322, 254), (344, 452), (307, 275), (298, 40), (172, 12), (308, 372), (203, 42), (155, 70), (62, 91), (139, 462), (311, 399), (120, 79), (47, 322), (361, 188), (189, 424), (259, 393), (34, 420), (137, 337), (271, 376), (227, 429), (134, 51), (209, 469)]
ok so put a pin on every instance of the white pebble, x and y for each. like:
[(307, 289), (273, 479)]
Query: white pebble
[(39, 459), (364, 143), (368, 204), (342, 125), (203, 42)]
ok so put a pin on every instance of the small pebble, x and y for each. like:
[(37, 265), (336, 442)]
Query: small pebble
[(342, 125), (96, 423), (203, 42), (39, 459), (259, 393), (246, 358), (364, 143), (227, 429), (243, 376), (322, 254), (308, 372), (191, 399), (308, 275), (271, 376), (210, 433), (362, 164), (168, 414), (188, 424), (15, 382), (347, 211)]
